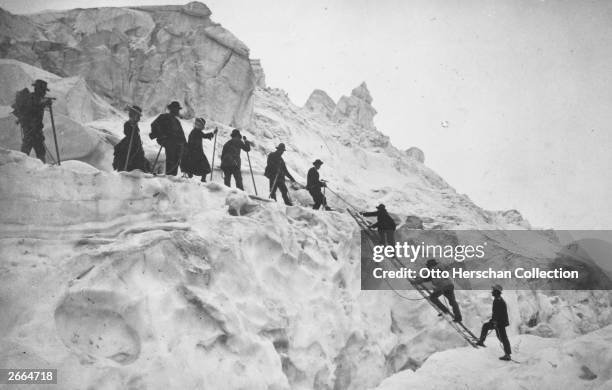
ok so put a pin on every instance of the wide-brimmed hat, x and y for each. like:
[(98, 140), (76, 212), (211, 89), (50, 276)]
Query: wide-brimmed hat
[(317, 162), (135, 109), (41, 84), (381, 206), (281, 146), (200, 122), (497, 287), (235, 133), (175, 104), (431, 262)]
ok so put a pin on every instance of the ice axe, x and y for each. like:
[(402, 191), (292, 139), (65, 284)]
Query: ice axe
[(156, 158), (250, 167), (127, 157), (212, 162), (54, 132)]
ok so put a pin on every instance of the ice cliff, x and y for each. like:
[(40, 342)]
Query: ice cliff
[(135, 281)]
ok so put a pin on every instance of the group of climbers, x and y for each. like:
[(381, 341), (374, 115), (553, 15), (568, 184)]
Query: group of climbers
[(166, 129), (188, 154)]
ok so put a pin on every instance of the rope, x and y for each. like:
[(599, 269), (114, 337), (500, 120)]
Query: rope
[(342, 199)]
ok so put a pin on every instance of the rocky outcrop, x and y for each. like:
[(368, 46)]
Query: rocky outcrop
[(319, 101), (416, 154), (145, 55), (356, 108), (260, 77)]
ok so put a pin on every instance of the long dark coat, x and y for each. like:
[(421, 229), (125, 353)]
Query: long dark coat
[(194, 160)]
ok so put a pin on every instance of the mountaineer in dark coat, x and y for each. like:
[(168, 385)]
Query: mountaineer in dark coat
[(136, 159), (230, 158), (499, 322), (29, 108), (442, 286), (169, 133), (276, 171), (384, 223), (314, 185), (194, 160)]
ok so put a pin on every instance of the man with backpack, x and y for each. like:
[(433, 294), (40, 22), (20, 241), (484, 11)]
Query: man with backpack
[(169, 133), (129, 153), (499, 322), (314, 185), (276, 171), (230, 158), (29, 108)]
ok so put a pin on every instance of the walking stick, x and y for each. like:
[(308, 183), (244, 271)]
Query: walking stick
[(127, 157), (273, 188), (251, 169), (156, 158), (54, 134), (212, 166)]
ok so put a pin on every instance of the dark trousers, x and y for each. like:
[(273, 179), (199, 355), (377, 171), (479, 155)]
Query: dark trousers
[(227, 177), (37, 143), (501, 335), (319, 199), (449, 293), (387, 237), (173, 158), (280, 184)]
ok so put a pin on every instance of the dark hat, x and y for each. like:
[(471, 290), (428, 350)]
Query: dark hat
[(381, 206), (317, 162), (40, 83), (201, 122), (135, 109), (235, 133), (175, 104), (431, 262), (281, 146), (497, 287)]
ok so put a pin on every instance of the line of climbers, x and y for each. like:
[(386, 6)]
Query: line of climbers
[(166, 129)]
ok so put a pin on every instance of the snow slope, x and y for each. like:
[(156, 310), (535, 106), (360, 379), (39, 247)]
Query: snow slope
[(545, 364), (138, 281)]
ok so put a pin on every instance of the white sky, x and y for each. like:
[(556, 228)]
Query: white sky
[(526, 86)]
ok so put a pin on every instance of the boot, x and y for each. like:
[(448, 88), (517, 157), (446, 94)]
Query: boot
[(480, 343), (506, 357)]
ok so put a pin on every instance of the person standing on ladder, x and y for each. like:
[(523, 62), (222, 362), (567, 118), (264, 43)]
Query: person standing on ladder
[(384, 223), (276, 171), (230, 158), (314, 185), (129, 154), (29, 108), (499, 322), (169, 133), (441, 286), (194, 160)]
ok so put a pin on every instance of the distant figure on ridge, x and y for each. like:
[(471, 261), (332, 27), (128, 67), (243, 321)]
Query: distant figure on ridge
[(169, 133), (384, 223), (230, 158), (194, 160), (275, 171), (314, 185), (499, 322), (29, 108), (442, 286), (131, 144)]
